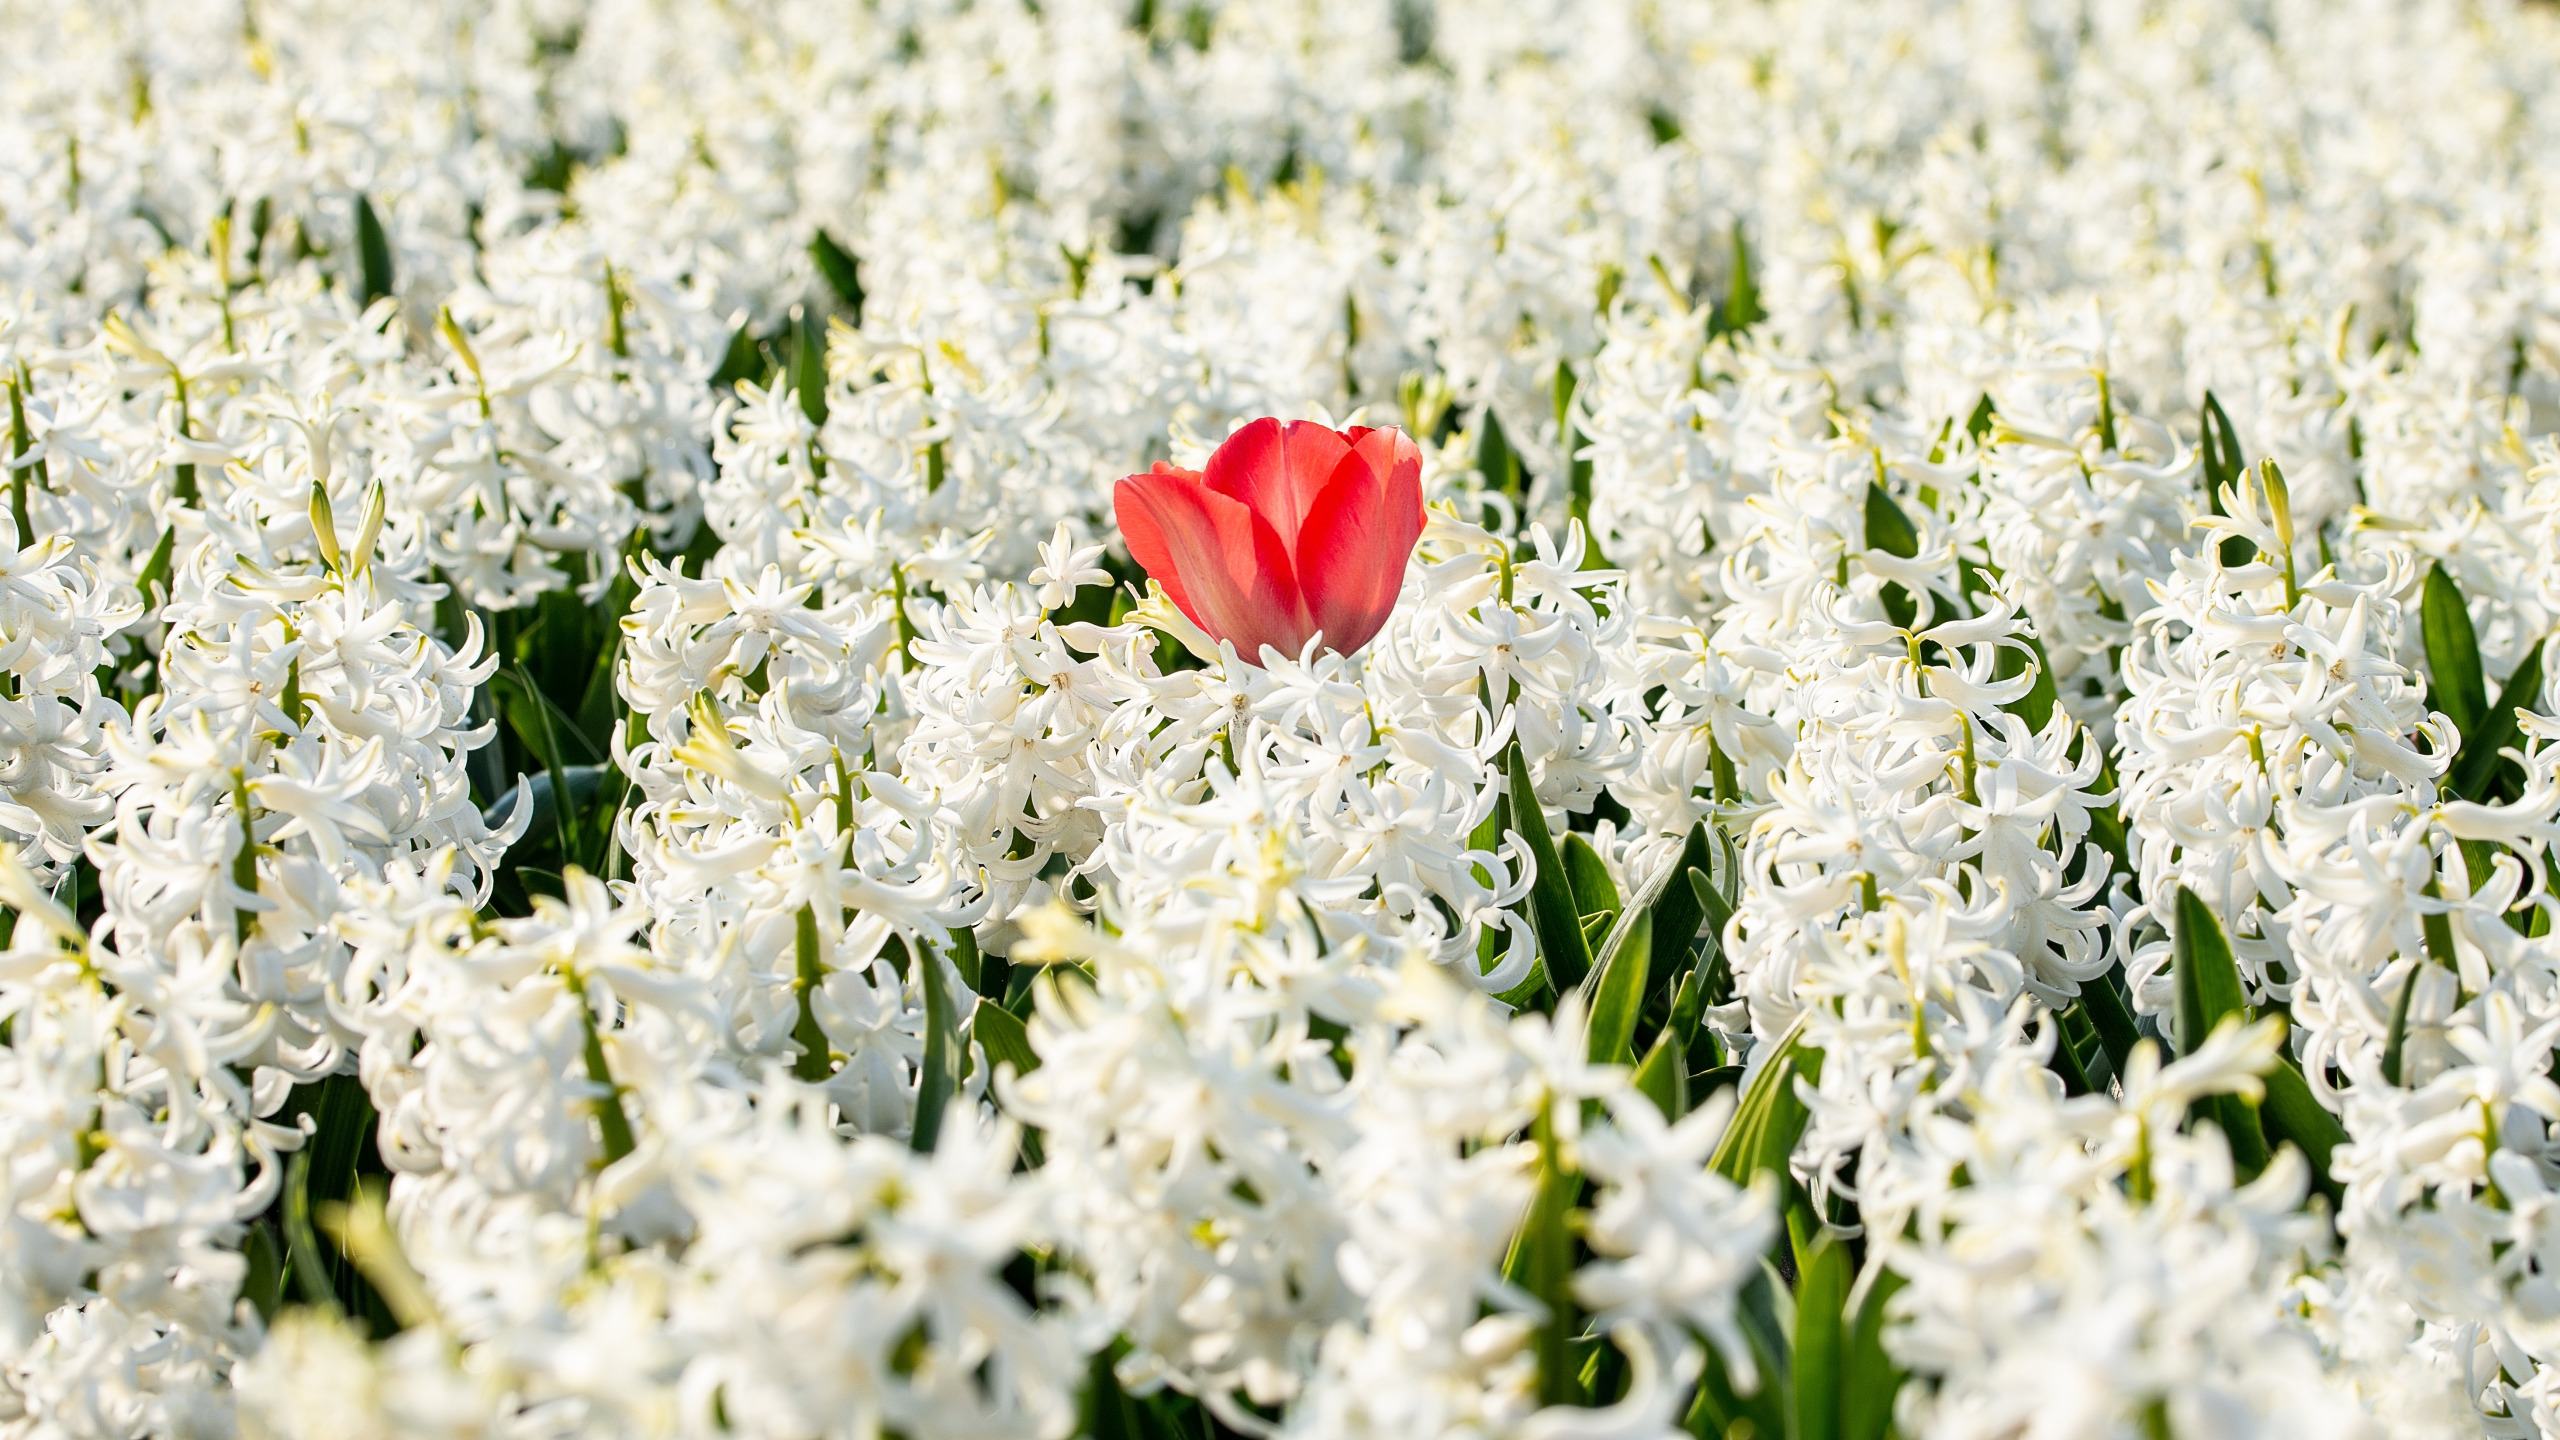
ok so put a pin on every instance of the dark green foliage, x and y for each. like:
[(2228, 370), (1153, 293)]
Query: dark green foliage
[(841, 271), (2210, 994), (1551, 904), (373, 252), (2454, 682)]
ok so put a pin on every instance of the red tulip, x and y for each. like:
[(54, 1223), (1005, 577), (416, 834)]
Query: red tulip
[(1291, 532)]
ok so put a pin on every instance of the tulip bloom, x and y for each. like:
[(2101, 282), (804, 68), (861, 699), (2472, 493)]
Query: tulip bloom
[(1292, 531)]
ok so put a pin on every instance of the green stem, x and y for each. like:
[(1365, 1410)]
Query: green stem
[(815, 1063), (610, 1117), (244, 865)]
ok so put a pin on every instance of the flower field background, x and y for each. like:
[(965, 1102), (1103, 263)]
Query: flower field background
[(603, 833)]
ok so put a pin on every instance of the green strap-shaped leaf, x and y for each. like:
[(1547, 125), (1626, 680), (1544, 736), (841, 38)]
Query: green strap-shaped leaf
[(2454, 682), (2480, 769), (1676, 913), (2210, 993), (809, 368), (743, 360), (809, 972), (1595, 930), (939, 1075), (2036, 706), (1822, 1292), (1703, 1084), (841, 272), (1688, 1003), (1005, 1038), (2208, 977), (1551, 908), (1765, 1125), (1721, 1410), (1487, 837), (1891, 531), (2066, 1061), (2221, 453), (373, 251), (530, 714), (1869, 1378), (1496, 460), (1663, 1078), (303, 1253), (1594, 892), (1741, 308), (1888, 529), (1617, 991), (2291, 1112), (2223, 467), (1541, 1262), (2394, 1045), (1712, 902)]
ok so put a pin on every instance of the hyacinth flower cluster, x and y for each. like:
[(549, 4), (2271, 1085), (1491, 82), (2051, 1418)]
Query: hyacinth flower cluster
[(1431, 718)]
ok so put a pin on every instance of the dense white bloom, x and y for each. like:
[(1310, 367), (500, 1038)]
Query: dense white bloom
[(560, 583)]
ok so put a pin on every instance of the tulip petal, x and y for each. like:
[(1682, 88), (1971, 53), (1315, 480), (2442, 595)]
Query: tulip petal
[(1362, 529), (1236, 578), (1279, 470), (1145, 538)]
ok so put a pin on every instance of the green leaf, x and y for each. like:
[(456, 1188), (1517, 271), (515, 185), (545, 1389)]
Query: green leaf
[(1617, 988), (1594, 893), (1688, 1003), (1496, 460), (1765, 1125), (1822, 1292), (2291, 1112), (2223, 467), (1717, 907), (373, 251), (841, 271), (1677, 913), (1870, 1379), (1663, 1078), (2453, 655), (1984, 416), (153, 583), (2395, 1043), (1109, 1413), (1486, 837), (1526, 994), (264, 1285), (938, 1076), (816, 1062), (1541, 1262), (1721, 1411), (20, 442), (743, 360), (1741, 309), (2036, 706), (2208, 978), (2210, 993), (1551, 908), (1703, 1084), (613, 1123), (2066, 1061), (2480, 769), (309, 1262), (1888, 529), (541, 727), (1595, 930), (809, 368), (1005, 1038), (2221, 453)]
